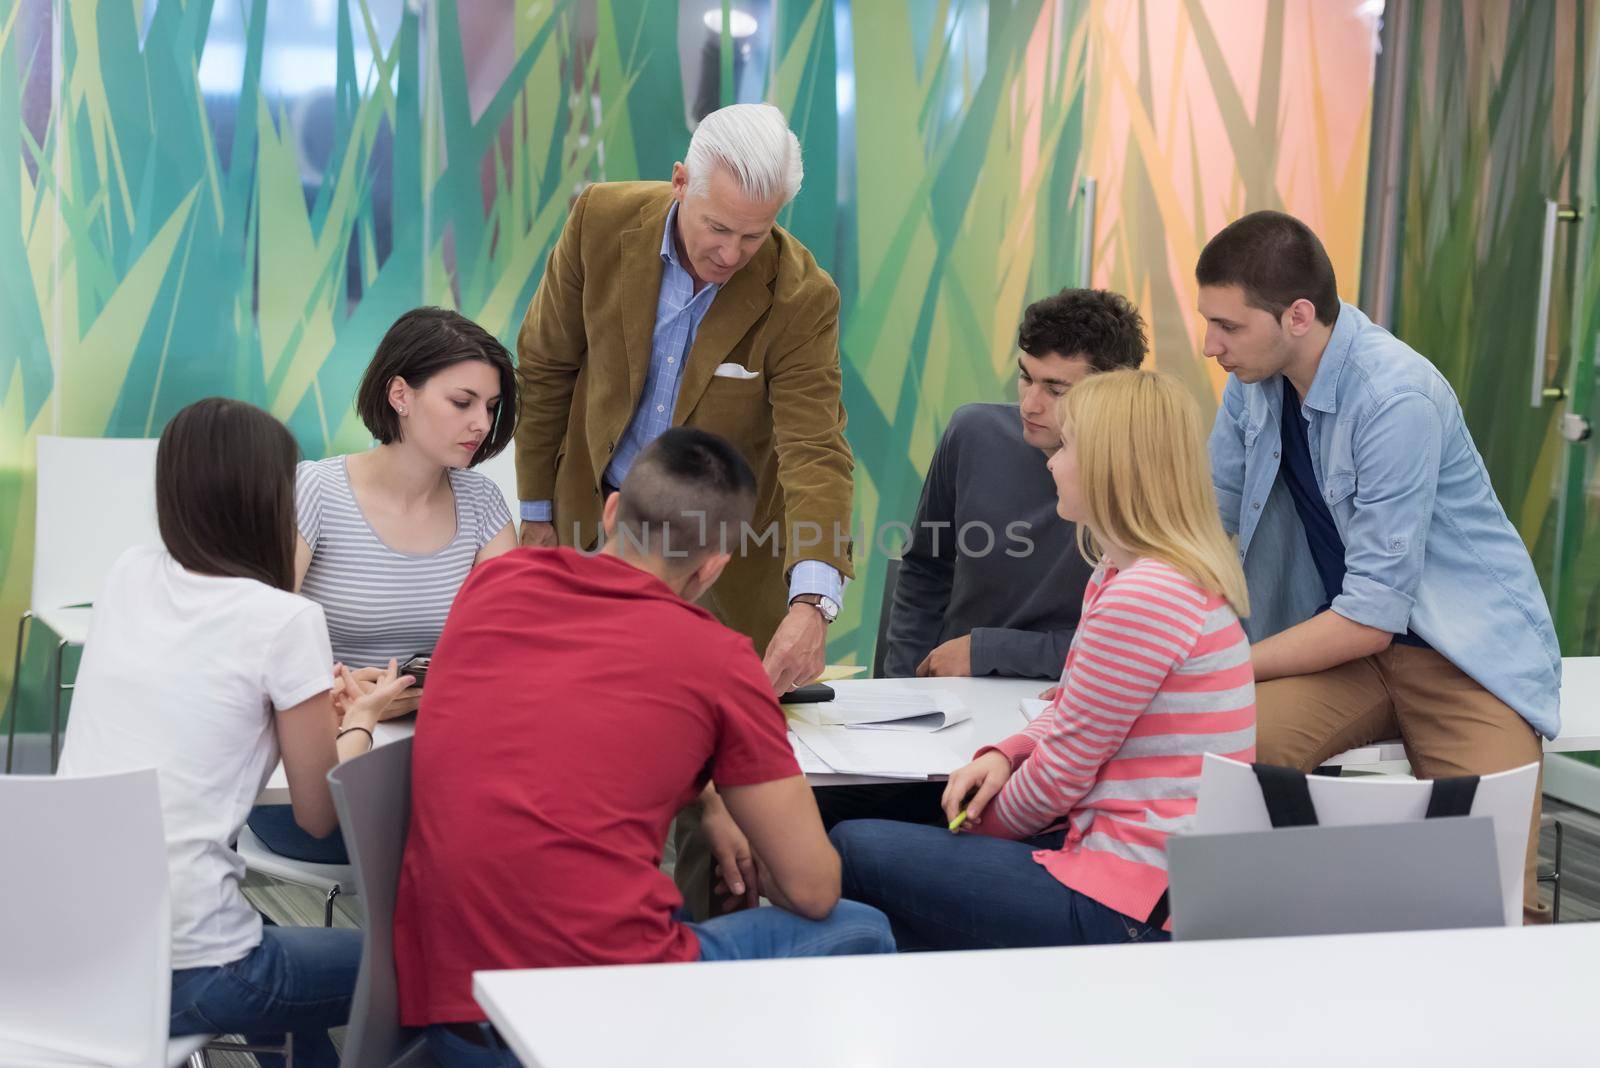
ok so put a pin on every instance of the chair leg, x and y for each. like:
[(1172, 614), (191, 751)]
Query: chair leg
[(327, 907), (55, 711), (1555, 878), (222, 1046), (16, 677)]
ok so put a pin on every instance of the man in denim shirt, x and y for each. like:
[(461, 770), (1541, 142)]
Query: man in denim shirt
[(1390, 594)]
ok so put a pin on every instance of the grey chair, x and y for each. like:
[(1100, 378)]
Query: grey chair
[(373, 796), (891, 578)]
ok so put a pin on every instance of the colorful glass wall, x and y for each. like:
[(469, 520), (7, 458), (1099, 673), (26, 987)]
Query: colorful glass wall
[(239, 197)]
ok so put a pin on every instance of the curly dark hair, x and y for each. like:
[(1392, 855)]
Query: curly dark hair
[(1103, 327)]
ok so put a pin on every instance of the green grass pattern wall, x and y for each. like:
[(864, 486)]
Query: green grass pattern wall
[(238, 197)]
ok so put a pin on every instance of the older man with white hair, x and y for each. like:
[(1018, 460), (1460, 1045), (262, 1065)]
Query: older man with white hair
[(683, 303)]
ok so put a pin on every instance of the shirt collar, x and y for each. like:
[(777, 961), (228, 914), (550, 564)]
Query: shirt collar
[(669, 252), (669, 247), (1323, 396)]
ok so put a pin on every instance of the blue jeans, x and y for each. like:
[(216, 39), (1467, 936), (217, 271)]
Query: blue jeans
[(969, 891), (299, 981), (753, 934), (275, 826), (771, 933), (453, 1051)]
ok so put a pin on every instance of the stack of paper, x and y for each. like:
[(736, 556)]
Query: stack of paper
[(883, 704), (883, 754)]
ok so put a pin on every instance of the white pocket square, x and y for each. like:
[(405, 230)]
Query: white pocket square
[(733, 370)]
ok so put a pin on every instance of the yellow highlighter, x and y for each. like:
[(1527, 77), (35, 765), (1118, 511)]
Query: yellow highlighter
[(961, 817)]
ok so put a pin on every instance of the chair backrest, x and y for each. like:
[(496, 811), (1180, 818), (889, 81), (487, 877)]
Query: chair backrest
[(373, 796), (1231, 801), (86, 924), (96, 499), (502, 469), (891, 578)]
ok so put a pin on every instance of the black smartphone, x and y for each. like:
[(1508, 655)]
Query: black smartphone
[(807, 695), (417, 667)]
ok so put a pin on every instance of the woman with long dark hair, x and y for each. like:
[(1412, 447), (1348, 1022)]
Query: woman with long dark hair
[(202, 663)]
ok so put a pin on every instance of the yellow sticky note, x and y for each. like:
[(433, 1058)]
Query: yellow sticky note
[(835, 672)]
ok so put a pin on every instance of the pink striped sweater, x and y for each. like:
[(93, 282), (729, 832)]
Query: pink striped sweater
[(1158, 675)]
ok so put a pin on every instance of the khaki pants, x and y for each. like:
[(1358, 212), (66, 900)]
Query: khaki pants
[(1450, 725)]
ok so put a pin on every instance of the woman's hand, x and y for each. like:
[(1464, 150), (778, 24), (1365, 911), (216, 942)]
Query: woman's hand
[(365, 703), (973, 786), (404, 703), (350, 685)]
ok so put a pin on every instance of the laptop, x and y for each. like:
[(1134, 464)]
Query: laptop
[(1412, 876)]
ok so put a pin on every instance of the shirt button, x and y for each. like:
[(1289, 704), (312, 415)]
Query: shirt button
[(1274, 454), (660, 408), (1255, 506), (672, 359), (1241, 554)]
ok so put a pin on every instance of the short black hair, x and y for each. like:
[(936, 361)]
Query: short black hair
[(225, 492), (1102, 326), (420, 344), (1276, 260), (687, 495)]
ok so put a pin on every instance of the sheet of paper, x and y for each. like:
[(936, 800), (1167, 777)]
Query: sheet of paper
[(887, 754), (810, 763), (931, 721), (1032, 709)]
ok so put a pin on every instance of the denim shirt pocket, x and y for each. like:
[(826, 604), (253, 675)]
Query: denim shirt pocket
[(1337, 491)]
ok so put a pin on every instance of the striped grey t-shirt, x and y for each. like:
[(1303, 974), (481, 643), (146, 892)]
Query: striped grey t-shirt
[(381, 602)]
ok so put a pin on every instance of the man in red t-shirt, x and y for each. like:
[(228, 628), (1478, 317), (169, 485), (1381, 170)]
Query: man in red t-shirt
[(574, 705)]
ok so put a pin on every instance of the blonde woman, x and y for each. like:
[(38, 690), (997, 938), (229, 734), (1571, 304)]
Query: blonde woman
[(1064, 836)]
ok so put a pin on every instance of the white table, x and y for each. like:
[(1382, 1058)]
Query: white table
[(1493, 996), (276, 792), (996, 715)]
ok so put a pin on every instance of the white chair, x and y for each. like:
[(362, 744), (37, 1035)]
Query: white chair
[(85, 977), (1230, 802), (95, 499), (331, 880), (502, 469)]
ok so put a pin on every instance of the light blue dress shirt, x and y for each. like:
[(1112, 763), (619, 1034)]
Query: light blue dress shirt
[(1427, 544), (679, 312)]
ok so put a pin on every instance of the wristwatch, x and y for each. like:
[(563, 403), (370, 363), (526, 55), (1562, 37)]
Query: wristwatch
[(826, 605)]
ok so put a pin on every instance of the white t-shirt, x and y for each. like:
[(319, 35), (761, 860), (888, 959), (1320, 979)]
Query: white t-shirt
[(181, 672)]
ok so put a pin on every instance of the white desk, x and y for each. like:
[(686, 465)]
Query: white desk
[(1493, 996), (995, 716), (276, 792)]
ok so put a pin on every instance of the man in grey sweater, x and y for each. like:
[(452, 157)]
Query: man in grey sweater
[(992, 581)]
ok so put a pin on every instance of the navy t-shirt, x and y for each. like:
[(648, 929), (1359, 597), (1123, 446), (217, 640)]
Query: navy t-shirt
[(1327, 548)]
